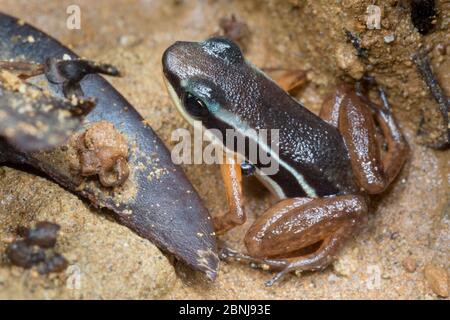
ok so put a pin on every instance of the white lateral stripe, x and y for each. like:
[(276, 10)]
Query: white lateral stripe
[(249, 133), (271, 185), (275, 186)]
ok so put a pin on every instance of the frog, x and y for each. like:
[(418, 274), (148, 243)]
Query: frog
[(329, 165)]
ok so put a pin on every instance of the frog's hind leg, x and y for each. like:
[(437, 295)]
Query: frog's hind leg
[(279, 238), (354, 115), (332, 105)]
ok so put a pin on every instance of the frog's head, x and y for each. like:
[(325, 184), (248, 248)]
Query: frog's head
[(211, 82), (206, 82)]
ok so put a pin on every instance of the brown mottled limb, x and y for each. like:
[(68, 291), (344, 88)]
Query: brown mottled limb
[(276, 239), (353, 114), (331, 106)]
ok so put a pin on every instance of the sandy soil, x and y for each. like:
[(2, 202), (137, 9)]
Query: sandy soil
[(411, 220)]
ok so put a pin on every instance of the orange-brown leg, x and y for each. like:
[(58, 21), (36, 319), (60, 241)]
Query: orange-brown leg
[(232, 179), (277, 238), (354, 117)]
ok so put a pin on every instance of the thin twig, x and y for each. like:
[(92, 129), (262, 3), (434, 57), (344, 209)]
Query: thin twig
[(422, 62)]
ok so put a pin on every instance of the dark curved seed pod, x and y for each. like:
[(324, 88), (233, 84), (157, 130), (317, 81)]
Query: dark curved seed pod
[(157, 201)]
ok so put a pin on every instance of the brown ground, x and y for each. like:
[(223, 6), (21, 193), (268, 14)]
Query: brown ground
[(410, 221)]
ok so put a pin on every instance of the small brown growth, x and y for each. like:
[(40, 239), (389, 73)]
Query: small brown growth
[(103, 151)]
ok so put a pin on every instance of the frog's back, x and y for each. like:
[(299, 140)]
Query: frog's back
[(313, 159)]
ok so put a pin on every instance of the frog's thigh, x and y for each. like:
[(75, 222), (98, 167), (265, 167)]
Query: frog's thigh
[(329, 112), (357, 127), (277, 237), (372, 171), (232, 179)]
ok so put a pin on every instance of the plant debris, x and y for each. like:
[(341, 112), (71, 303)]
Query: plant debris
[(23, 70), (356, 42), (423, 66), (35, 250), (31, 119), (69, 73)]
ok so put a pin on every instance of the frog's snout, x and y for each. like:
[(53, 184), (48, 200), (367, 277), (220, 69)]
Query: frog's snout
[(173, 57)]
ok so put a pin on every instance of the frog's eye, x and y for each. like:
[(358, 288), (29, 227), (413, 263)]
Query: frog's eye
[(195, 106), (224, 49)]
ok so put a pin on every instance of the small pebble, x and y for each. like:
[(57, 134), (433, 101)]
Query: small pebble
[(333, 278), (437, 279), (389, 38), (410, 264), (348, 61), (373, 17), (346, 265), (127, 40), (31, 252), (124, 40)]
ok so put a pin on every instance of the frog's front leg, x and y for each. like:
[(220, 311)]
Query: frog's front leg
[(232, 178), (302, 233), (354, 116)]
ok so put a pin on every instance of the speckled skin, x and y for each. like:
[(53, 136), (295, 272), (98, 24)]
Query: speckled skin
[(307, 143)]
